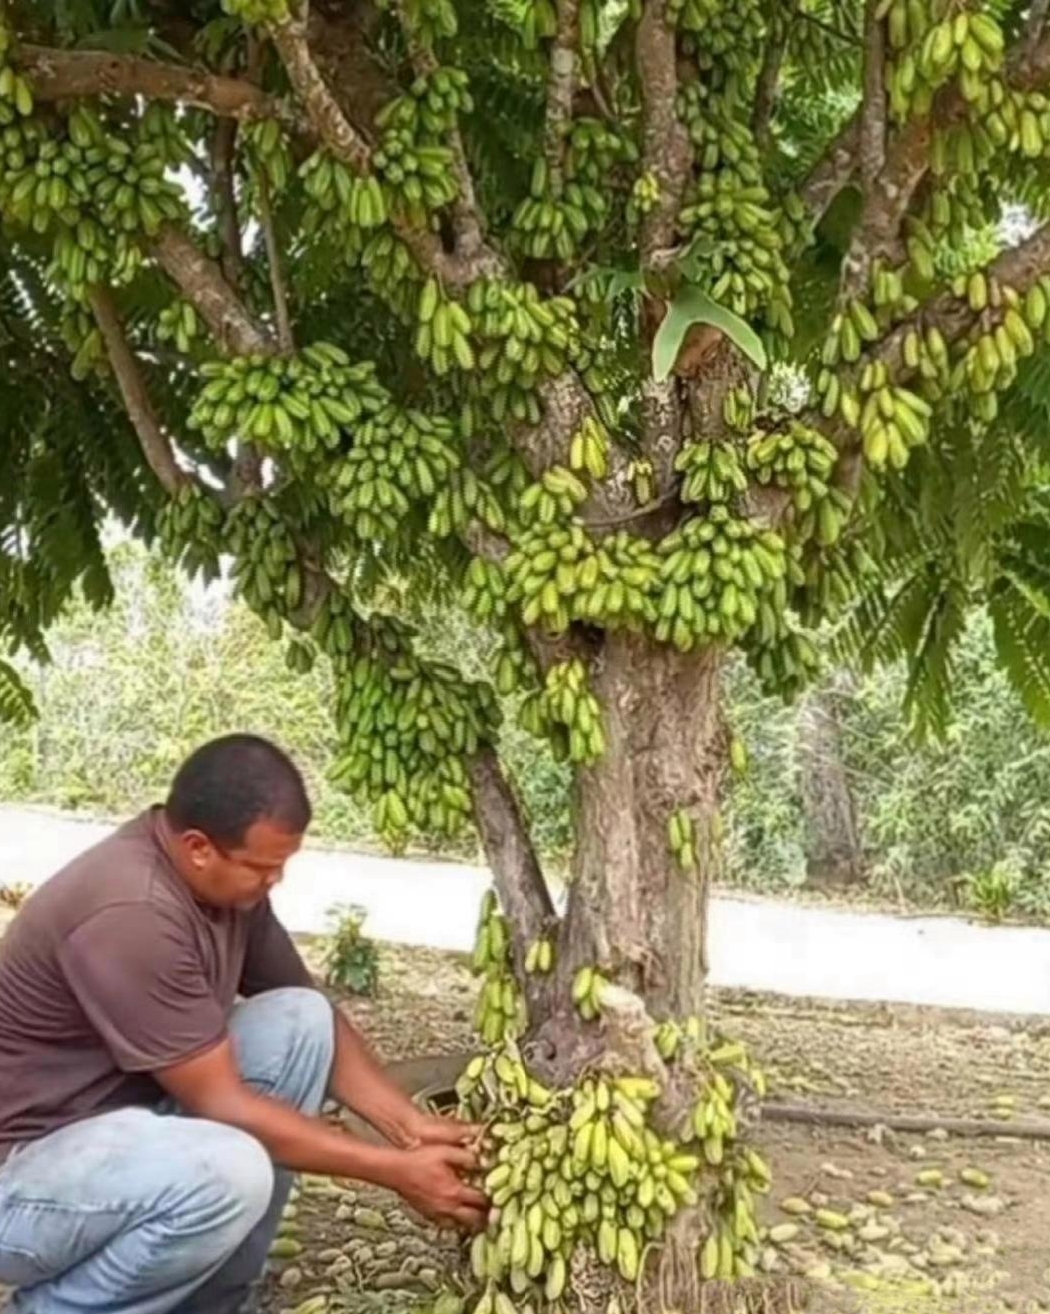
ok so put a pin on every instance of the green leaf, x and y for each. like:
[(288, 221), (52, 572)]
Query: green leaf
[(691, 306)]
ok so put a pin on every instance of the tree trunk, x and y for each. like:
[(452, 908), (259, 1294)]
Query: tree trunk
[(632, 912), (834, 853)]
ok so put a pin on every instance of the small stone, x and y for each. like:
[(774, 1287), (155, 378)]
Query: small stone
[(937, 1134), (834, 1171), (916, 1198), (291, 1278), (987, 1206), (370, 1218), (344, 1213), (917, 1151), (784, 1233), (873, 1232)]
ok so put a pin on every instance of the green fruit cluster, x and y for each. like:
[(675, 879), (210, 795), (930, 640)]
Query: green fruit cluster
[(933, 50), (800, 460), (266, 148), (566, 712), (399, 459), (539, 957), (585, 1168), (558, 214), (712, 472), (681, 836), (334, 189), (785, 663), (717, 574), (500, 1014), (96, 192), (645, 196), (833, 579), (465, 497), (589, 449), (731, 217), (406, 728), (522, 339), (266, 570), (893, 419), (443, 332), (727, 32), (1004, 335), (430, 20), (417, 173), (257, 12), (180, 324), (432, 105), (191, 526), (301, 403), (558, 574), (16, 95), (393, 272)]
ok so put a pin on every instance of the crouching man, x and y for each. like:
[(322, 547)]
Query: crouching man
[(164, 1058)]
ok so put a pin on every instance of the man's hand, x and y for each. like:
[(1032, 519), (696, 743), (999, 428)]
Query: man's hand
[(431, 1129), (429, 1179)]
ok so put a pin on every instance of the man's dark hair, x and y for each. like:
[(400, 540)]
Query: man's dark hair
[(229, 783)]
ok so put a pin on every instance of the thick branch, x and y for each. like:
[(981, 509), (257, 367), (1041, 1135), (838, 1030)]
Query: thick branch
[(328, 120), (561, 87), (155, 445), (1035, 23), (835, 169), (666, 150), (508, 847), (873, 109), (71, 74), (202, 283)]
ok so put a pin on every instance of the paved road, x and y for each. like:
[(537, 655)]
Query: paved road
[(767, 945)]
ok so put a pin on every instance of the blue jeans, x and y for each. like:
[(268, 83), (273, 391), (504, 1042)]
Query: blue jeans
[(142, 1212)]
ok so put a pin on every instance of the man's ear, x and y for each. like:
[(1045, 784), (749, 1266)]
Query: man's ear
[(198, 848)]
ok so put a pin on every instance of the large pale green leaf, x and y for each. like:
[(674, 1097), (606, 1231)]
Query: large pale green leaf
[(691, 306)]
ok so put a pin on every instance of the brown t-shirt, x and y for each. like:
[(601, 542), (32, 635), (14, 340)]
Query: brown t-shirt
[(111, 971)]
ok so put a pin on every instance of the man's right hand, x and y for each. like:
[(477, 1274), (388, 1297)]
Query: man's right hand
[(429, 1178)]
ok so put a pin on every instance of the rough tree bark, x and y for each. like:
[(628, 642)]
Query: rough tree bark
[(834, 850)]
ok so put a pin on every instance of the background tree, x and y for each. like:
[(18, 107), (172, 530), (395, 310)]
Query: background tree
[(648, 329)]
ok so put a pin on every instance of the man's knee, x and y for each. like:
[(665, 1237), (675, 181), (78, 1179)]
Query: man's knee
[(243, 1176), (286, 1044)]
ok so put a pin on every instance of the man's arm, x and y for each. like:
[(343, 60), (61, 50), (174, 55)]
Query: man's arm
[(426, 1176), (360, 1082)]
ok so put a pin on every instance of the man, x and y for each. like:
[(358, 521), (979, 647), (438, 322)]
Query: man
[(142, 1109)]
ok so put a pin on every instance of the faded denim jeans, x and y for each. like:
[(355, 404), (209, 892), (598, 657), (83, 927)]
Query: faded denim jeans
[(142, 1212)]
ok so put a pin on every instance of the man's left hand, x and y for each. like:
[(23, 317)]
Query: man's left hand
[(432, 1129)]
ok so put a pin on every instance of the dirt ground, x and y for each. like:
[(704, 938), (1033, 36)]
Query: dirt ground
[(955, 1226)]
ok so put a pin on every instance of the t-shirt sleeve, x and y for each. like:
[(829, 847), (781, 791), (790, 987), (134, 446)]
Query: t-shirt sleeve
[(271, 961), (138, 976)]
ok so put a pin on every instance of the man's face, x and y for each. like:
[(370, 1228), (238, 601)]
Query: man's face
[(238, 877)]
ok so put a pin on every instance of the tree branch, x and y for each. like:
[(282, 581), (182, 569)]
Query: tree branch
[(154, 442), (285, 337), (666, 149), (833, 172), (768, 86), (71, 74), (329, 122), (201, 282), (224, 200), (1035, 23), (561, 87), (873, 109), (508, 847)]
